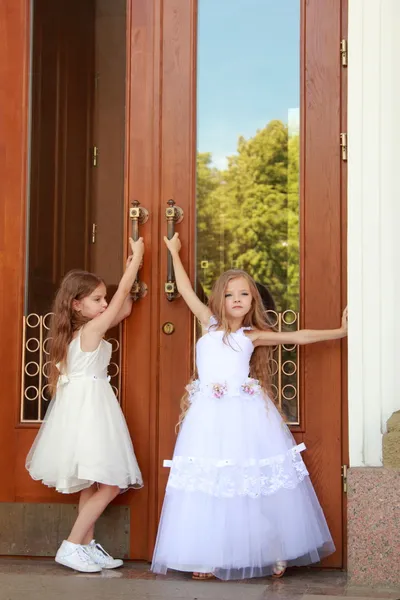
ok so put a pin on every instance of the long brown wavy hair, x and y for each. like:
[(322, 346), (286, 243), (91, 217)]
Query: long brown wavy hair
[(65, 321), (261, 359)]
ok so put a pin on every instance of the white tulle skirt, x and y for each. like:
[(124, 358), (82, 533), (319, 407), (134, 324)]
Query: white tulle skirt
[(84, 440), (239, 497)]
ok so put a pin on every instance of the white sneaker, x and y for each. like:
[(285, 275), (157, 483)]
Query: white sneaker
[(76, 557), (101, 557)]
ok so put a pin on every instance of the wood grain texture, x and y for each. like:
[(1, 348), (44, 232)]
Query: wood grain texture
[(14, 102), (321, 292), (140, 366), (177, 182)]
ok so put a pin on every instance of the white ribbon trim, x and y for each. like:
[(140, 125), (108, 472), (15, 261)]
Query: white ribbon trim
[(64, 379), (263, 462)]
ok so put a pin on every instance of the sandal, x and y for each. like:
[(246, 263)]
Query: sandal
[(279, 569), (203, 576)]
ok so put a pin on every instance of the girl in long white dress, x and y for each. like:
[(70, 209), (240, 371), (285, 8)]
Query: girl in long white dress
[(84, 444), (239, 502)]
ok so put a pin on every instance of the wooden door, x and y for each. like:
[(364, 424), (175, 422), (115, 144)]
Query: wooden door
[(162, 160), (320, 205), (55, 189)]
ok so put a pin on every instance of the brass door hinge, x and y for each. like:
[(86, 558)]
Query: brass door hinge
[(343, 145), (344, 478), (343, 52), (95, 156)]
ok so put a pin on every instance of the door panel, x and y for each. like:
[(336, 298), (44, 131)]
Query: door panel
[(322, 276), (140, 362), (178, 182)]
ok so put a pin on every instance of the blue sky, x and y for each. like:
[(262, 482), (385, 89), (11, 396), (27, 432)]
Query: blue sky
[(248, 70)]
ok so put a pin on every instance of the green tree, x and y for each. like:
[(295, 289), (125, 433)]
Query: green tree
[(248, 214)]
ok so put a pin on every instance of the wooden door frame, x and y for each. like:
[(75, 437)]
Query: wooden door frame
[(142, 183), (14, 118), (322, 158), (345, 399), (152, 180)]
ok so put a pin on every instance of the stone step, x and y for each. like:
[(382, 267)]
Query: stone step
[(393, 423)]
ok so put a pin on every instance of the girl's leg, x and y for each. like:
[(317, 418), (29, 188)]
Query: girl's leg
[(84, 497), (90, 512)]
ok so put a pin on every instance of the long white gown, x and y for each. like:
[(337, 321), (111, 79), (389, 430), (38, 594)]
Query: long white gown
[(239, 496)]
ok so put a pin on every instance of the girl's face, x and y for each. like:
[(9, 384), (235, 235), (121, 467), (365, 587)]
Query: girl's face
[(93, 305), (238, 298)]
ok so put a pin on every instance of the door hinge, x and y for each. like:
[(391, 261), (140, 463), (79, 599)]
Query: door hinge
[(95, 156), (344, 478), (343, 52), (94, 232), (343, 145)]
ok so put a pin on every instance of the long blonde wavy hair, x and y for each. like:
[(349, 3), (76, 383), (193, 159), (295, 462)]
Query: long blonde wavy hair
[(256, 318), (65, 321)]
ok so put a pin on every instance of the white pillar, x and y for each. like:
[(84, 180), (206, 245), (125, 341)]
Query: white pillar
[(373, 223)]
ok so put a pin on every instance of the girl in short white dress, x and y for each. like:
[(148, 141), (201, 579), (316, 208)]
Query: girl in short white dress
[(84, 444), (239, 502)]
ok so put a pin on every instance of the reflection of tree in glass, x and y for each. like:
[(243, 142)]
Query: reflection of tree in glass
[(248, 215)]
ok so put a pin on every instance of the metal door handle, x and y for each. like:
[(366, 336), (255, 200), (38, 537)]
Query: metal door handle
[(138, 216), (173, 215)]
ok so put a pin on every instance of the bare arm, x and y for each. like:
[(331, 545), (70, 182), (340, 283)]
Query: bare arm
[(95, 329), (123, 313), (126, 308), (200, 310), (302, 337)]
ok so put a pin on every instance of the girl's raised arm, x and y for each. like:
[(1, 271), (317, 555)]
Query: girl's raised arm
[(301, 337), (200, 310), (95, 329)]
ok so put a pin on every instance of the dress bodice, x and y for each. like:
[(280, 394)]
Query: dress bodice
[(220, 360), (87, 364)]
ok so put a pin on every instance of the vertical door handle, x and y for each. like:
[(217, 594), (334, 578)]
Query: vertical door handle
[(138, 216), (173, 216)]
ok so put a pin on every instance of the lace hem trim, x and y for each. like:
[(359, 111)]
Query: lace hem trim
[(228, 478)]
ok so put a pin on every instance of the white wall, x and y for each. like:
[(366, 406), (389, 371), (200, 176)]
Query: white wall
[(374, 224)]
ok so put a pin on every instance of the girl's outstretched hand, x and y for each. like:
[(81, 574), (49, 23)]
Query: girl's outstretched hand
[(174, 244), (137, 249), (344, 320)]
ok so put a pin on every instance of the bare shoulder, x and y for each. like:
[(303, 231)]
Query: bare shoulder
[(206, 318), (263, 337), (252, 334), (90, 338)]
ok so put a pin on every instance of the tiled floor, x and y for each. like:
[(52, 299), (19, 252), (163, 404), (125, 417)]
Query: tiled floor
[(44, 580)]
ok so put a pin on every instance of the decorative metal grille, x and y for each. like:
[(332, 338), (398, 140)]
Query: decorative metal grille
[(285, 367), (35, 396)]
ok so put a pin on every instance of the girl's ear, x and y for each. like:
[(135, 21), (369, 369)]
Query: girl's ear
[(76, 305)]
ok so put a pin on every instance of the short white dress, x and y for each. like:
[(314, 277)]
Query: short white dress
[(84, 438), (239, 496)]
